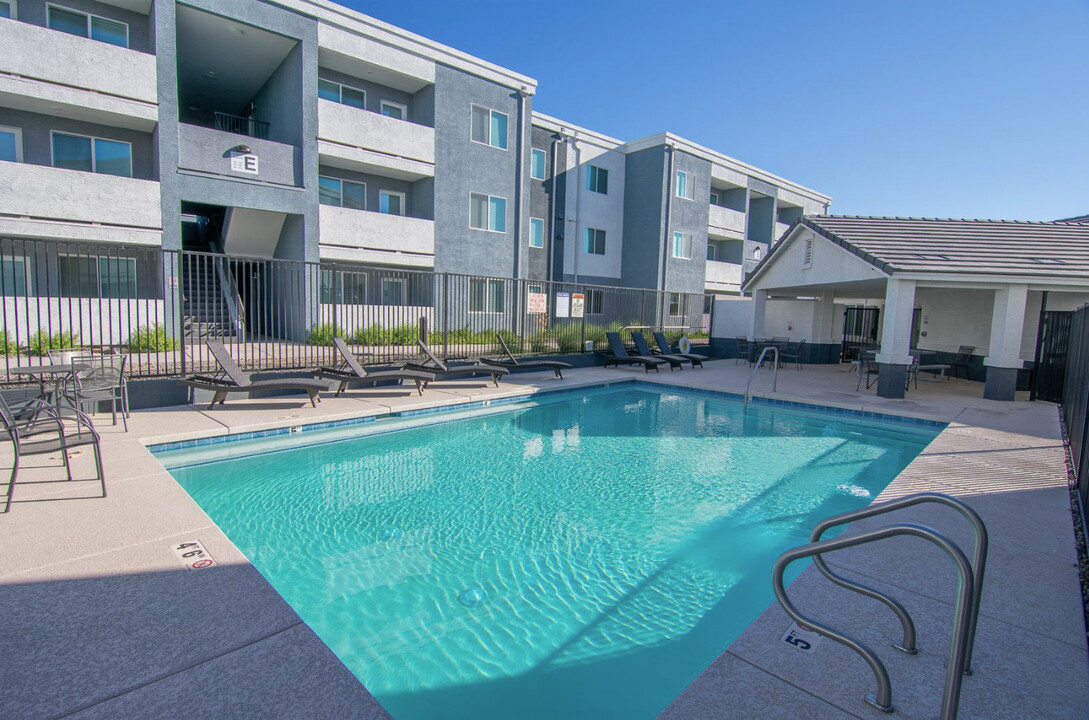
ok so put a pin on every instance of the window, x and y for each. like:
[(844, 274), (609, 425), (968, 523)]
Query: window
[(88, 26), (391, 203), (394, 110), (347, 288), (712, 251), (537, 164), (487, 212), (342, 193), (97, 277), (335, 92), (595, 302), (489, 127), (107, 157), (7, 9), (684, 185), (11, 144), (807, 258), (714, 198), (597, 179), (393, 292), (682, 245), (16, 276), (536, 233), (486, 296), (594, 241), (677, 303)]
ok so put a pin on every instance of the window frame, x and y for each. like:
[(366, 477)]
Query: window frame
[(87, 25), (686, 241), (533, 153), (540, 223), (340, 93), (63, 277), (592, 293), (689, 187), (488, 296), (396, 193), (596, 177), (712, 252), (400, 283), (488, 217), (383, 102), (491, 140), (29, 289), (340, 192), (18, 132), (714, 198), (586, 241), (94, 153), (675, 303), (14, 5), (337, 287)]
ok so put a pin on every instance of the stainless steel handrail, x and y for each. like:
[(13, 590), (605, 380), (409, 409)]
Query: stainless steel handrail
[(774, 374), (954, 674), (979, 562)]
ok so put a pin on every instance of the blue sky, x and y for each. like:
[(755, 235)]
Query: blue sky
[(959, 108)]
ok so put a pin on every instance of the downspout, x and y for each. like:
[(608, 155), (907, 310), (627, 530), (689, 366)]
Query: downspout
[(666, 238), (520, 189), (552, 212), (578, 193)]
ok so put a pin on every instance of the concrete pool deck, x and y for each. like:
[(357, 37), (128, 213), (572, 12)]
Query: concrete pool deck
[(103, 621)]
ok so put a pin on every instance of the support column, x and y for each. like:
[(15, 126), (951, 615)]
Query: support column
[(824, 318), (759, 309), (895, 356), (1004, 354)]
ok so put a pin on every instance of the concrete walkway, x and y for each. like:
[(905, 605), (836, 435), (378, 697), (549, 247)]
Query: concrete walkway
[(104, 621)]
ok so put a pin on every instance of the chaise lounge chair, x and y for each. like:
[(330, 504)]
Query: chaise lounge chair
[(350, 371), (509, 361), (641, 347), (696, 358), (231, 379), (442, 371), (619, 354)]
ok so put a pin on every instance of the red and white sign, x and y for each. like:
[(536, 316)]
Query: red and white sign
[(538, 303), (193, 556)]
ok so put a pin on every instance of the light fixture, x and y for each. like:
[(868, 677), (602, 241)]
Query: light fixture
[(244, 149), (236, 30)]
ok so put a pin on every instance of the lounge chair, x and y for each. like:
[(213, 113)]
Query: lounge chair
[(665, 349), (350, 371), (509, 361), (618, 354), (442, 371), (641, 347), (231, 379)]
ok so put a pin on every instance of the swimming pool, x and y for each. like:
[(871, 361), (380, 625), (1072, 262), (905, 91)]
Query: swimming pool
[(582, 555)]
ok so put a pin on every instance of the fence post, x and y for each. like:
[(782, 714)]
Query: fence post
[(445, 313), (582, 342)]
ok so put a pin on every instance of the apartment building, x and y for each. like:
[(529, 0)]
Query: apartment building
[(300, 130)]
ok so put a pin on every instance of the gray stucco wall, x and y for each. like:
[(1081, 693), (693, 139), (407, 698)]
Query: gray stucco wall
[(38, 145), (541, 195), (295, 93), (463, 167), (141, 33), (417, 204), (643, 217), (689, 217), (278, 103), (422, 108), (375, 93)]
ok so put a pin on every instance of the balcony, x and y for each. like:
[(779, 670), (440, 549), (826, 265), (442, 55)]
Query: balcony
[(211, 152), (722, 276), (53, 73), (42, 201), (724, 223), (355, 139), (369, 237)]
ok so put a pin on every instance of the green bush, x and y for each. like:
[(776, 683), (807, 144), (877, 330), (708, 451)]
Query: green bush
[(41, 342), (151, 339), (7, 345), (378, 335), (324, 334)]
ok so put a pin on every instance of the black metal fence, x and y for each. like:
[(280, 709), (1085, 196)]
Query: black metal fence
[(160, 307), (1075, 399)]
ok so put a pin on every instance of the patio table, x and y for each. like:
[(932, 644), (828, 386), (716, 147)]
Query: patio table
[(57, 372), (935, 368)]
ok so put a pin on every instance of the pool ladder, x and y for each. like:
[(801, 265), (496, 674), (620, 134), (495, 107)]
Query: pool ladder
[(774, 374), (969, 588)]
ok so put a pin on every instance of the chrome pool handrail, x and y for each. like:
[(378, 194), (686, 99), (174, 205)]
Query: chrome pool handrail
[(774, 374)]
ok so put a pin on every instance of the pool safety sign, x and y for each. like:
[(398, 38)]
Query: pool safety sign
[(563, 305), (193, 556), (801, 638), (537, 303), (578, 304)]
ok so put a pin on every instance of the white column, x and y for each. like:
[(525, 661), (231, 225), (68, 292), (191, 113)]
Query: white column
[(824, 317), (759, 308), (896, 325), (1007, 325)]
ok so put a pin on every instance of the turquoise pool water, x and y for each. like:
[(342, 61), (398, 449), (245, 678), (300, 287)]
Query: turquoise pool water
[(577, 557)]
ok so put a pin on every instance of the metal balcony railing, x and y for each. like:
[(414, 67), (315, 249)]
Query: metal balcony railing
[(241, 125)]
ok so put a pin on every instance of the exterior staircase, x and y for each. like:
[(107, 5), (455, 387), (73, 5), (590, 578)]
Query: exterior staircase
[(206, 313)]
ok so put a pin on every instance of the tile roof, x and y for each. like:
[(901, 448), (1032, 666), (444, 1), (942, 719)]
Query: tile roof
[(961, 247), (1079, 219)]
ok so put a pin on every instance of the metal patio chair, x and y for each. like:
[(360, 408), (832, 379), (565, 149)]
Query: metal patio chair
[(963, 359), (102, 380)]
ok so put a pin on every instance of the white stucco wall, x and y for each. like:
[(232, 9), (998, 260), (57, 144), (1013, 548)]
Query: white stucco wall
[(595, 210)]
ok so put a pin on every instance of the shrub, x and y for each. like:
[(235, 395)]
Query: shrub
[(378, 335), (324, 334), (151, 339), (41, 342), (7, 345)]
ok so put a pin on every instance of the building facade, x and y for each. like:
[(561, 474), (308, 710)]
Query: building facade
[(302, 131)]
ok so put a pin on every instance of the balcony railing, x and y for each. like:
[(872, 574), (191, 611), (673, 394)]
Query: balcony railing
[(241, 126)]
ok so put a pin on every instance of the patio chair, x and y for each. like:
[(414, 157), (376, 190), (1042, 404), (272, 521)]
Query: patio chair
[(35, 428), (869, 369), (350, 371), (231, 379), (618, 355), (509, 361), (444, 371), (963, 359), (792, 353), (744, 350), (101, 380), (665, 349), (641, 347)]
